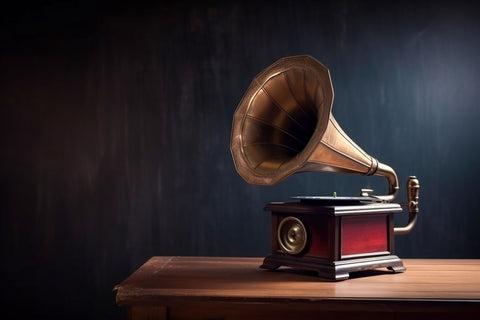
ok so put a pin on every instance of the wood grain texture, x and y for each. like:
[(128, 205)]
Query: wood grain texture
[(364, 234), (230, 279)]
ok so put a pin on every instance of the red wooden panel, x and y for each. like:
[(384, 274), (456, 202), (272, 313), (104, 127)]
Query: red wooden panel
[(364, 234), (319, 235)]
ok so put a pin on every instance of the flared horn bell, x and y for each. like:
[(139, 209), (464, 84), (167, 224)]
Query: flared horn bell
[(284, 125)]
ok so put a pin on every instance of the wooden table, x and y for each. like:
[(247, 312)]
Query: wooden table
[(235, 288)]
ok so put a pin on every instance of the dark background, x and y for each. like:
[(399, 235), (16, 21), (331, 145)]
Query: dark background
[(115, 128)]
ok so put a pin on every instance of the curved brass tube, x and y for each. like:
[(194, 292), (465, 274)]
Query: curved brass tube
[(413, 187), (387, 172), (412, 220)]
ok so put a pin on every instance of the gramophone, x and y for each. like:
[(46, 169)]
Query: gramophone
[(284, 125)]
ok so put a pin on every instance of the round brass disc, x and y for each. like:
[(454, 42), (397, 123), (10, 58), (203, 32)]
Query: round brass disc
[(292, 235)]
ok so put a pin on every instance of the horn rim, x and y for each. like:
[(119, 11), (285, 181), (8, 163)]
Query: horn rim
[(293, 165)]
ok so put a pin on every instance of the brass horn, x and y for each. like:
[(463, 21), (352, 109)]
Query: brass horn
[(284, 125)]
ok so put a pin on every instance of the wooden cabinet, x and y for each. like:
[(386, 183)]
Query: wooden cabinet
[(235, 288)]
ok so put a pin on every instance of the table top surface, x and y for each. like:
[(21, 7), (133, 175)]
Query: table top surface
[(228, 278)]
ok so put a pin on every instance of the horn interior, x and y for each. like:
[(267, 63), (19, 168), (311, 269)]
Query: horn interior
[(281, 119)]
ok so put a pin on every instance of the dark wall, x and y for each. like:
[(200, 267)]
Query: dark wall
[(116, 123)]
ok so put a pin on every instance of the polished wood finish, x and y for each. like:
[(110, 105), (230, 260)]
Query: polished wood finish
[(235, 288), (342, 237), (361, 234)]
